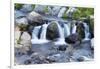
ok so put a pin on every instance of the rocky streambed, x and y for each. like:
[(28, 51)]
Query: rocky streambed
[(42, 36)]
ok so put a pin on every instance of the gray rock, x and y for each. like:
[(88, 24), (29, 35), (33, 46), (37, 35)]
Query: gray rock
[(19, 14), (72, 39), (26, 8), (52, 31), (20, 21), (40, 8), (35, 19)]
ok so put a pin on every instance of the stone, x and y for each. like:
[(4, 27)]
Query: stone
[(62, 48), (20, 21), (35, 19), (72, 39), (52, 31), (26, 8), (18, 14)]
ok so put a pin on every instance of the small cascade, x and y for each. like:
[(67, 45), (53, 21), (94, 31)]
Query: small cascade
[(35, 32), (35, 39), (87, 34), (66, 30), (62, 11), (74, 29), (61, 39), (43, 33)]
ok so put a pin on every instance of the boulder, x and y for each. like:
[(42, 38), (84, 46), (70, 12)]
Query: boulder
[(18, 14), (35, 19), (40, 9), (26, 8), (80, 30), (72, 39), (52, 31), (20, 21)]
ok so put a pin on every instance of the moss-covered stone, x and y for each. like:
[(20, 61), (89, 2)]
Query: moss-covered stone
[(18, 6)]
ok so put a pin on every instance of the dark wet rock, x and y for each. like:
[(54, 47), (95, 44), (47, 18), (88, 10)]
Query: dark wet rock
[(62, 48), (80, 30), (72, 39), (35, 19), (28, 62), (52, 31), (58, 57), (80, 59)]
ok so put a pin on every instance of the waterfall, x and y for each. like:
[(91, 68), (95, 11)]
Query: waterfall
[(86, 31), (74, 29), (61, 39), (35, 32), (66, 30), (35, 39), (43, 33), (62, 11)]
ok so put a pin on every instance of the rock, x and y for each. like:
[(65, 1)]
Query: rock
[(25, 36), (40, 9), (80, 30), (25, 39), (58, 57), (27, 62), (92, 43), (19, 14), (35, 19), (80, 59), (62, 48), (20, 21), (72, 39), (52, 31), (21, 60), (26, 8), (82, 55)]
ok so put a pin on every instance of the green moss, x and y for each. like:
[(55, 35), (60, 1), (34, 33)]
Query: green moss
[(33, 6), (46, 9), (18, 6), (23, 27), (83, 13)]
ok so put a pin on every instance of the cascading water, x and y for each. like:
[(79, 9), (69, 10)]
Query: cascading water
[(86, 31), (61, 39), (66, 30), (35, 39), (74, 29), (43, 33), (35, 32), (60, 14)]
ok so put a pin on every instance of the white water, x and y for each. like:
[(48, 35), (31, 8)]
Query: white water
[(66, 30), (35, 32), (74, 29), (86, 31), (61, 39), (43, 33), (35, 39), (62, 11)]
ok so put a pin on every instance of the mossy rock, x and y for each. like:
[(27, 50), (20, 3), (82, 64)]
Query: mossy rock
[(52, 31), (18, 6)]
